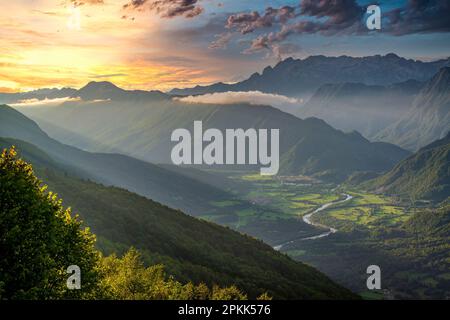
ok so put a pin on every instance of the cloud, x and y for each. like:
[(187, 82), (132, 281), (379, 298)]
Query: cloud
[(282, 50), (249, 22), (337, 12), (111, 75), (43, 103), (326, 17), (77, 3), (329, 14), (332, 16), (167, 8), (419, 16), (221, 41), (337, 17), (252, 97)]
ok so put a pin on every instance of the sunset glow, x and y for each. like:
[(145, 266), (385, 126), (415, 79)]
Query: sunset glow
[(53, 44)]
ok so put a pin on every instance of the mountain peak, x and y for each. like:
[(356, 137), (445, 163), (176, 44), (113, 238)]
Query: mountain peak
[(99, 90), (392, 55), (103, 85), (105, 90)]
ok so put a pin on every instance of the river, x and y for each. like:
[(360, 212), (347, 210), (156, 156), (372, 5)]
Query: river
[(307, 220)]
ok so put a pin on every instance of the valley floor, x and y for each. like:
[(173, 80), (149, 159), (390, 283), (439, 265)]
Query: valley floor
[(372, 229)]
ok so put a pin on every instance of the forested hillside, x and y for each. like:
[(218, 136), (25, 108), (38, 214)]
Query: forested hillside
[(192, 250), (424, 175)]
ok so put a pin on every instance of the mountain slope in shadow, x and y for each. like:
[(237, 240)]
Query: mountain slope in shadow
[(427, 120), (149, 180)]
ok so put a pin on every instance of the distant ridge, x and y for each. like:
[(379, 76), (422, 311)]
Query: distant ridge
[(429, 117), (40, 94), (94, 90), (107, 90), (295, 77)]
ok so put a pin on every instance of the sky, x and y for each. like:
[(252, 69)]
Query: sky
[(163, 44)]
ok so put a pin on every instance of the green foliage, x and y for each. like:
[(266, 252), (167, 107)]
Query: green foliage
[(264, 296), (127, 278), (39, 238), (431, 222), (230, 293)]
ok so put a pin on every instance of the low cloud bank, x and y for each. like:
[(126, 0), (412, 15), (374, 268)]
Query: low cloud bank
[(43, 103), (281, 102)]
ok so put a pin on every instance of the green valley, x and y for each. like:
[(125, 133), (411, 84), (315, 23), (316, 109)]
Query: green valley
[(372, 229)]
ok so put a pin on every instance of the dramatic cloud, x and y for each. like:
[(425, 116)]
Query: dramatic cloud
[(325, 17), (249, 22), (336, 17), (337, 12), (420, 16), (252, 97), (167, 8)]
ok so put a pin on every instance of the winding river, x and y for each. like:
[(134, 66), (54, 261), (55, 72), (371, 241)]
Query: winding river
[(307, 220)]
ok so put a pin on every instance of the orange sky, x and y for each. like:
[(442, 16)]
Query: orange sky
[(49, 43)]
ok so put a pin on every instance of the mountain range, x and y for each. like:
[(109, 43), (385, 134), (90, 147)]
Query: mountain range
[(143, 130), (40, 94), (385, 98), (302, 77)]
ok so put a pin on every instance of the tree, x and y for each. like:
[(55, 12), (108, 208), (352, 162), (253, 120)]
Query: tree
[(229, 293), (127, 278), (39, 239)]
